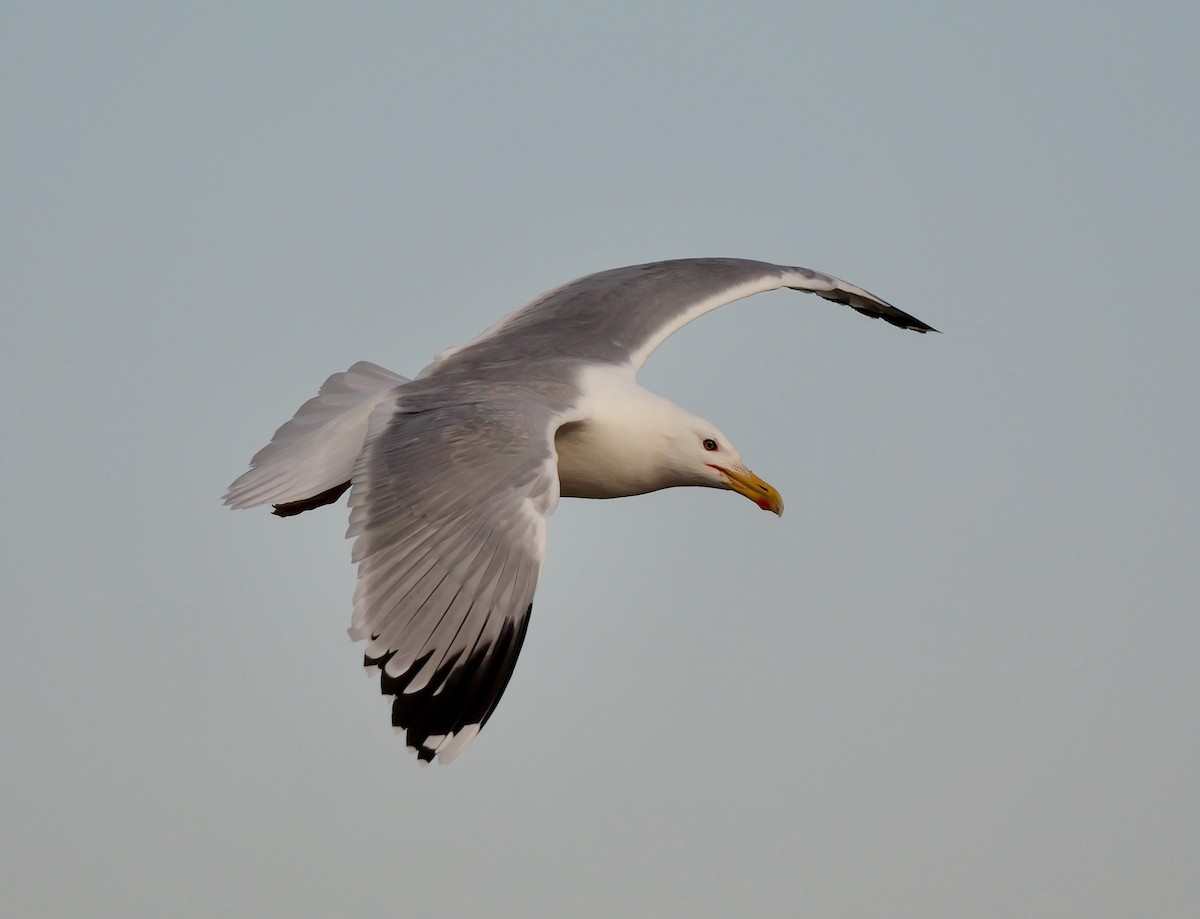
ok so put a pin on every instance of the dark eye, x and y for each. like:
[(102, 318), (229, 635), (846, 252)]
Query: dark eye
[(710, 444)]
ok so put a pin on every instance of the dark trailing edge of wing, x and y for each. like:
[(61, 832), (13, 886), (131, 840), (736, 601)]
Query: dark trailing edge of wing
[(461, 692), (292, 508)]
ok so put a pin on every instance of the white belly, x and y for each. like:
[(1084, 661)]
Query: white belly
[(592, 464)]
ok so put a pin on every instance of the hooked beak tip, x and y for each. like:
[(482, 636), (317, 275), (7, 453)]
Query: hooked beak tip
[(746, 483)]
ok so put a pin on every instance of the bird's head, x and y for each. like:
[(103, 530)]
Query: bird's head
[(702, 455)]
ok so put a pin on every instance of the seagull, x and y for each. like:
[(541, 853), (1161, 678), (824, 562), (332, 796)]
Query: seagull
[(454, 474)]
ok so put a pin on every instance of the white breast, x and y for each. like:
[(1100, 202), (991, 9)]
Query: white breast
[(620, 448)]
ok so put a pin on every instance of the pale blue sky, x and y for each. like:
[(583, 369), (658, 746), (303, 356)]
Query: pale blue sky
[(960, 677)]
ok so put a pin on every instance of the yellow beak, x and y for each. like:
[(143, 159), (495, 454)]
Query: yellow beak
[(745, 482)]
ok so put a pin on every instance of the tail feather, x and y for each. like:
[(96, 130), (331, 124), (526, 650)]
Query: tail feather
[(310, 459)]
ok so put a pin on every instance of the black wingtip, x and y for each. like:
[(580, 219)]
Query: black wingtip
[(462, 693), (916, 325), (891, 315)]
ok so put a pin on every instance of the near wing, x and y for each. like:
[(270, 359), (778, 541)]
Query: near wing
[(448, 511)]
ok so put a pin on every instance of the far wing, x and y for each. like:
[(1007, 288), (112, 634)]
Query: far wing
[(448, 513), (621, 316)]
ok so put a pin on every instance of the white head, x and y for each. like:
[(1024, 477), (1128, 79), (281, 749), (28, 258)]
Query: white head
[(698, 454), (636, 442)]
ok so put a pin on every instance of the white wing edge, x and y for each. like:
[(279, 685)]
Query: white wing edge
[(772, 278), (775, 277), (316, 450)]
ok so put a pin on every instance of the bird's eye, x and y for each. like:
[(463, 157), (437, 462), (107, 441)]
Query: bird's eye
[(710, 444)]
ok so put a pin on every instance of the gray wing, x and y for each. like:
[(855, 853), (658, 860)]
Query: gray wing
[(621, 316), (448, 512)]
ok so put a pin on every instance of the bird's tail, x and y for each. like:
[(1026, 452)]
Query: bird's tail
[(310, 459)]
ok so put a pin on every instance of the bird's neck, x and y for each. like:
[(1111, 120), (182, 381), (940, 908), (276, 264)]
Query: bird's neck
[(619, 448)]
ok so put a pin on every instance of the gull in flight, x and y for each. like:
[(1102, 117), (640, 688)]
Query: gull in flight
[(453, 475)]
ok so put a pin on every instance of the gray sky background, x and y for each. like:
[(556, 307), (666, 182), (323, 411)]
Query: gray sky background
[(960, 677)]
